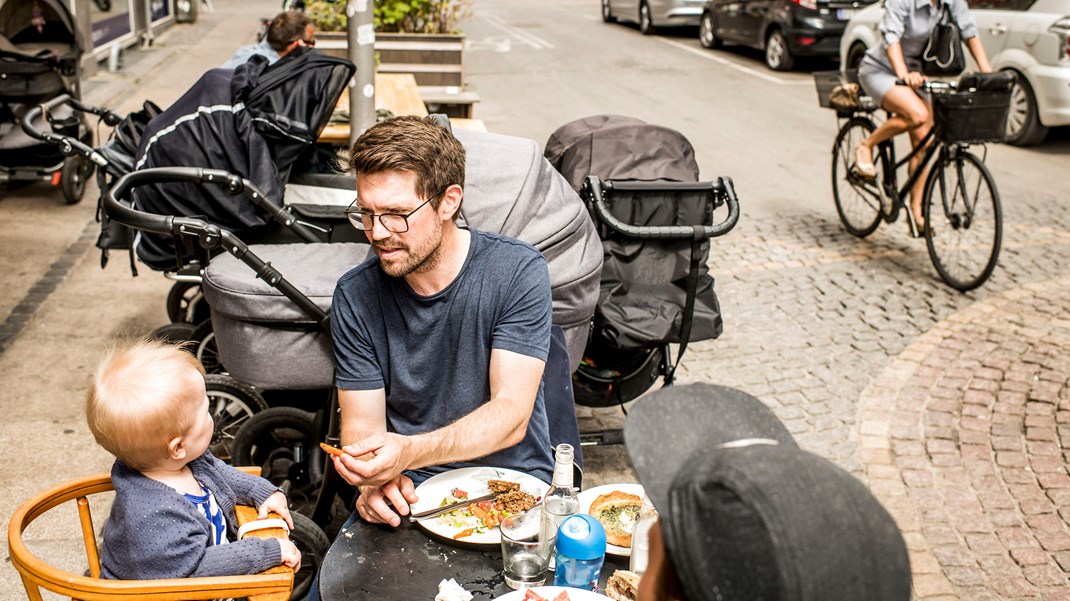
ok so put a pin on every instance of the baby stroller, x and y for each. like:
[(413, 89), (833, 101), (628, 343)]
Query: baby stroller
[(655, 220), (40, 53)]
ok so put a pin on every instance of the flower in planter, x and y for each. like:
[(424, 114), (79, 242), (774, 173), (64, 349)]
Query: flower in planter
[(404, 16)]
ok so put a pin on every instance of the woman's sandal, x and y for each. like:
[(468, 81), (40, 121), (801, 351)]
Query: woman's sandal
[(864, 163)]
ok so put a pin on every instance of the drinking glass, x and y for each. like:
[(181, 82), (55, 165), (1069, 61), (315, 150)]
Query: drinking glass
[(525, 557)]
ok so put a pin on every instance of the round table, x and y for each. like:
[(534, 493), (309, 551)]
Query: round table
[(376, 562)]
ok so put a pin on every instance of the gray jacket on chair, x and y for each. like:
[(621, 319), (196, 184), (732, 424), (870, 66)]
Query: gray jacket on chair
[(155, 532)]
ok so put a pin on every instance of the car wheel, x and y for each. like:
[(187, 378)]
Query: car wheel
[(777, 53), (707, 32), (646, 23), (1023, 124), (855, 55), (607, 12)]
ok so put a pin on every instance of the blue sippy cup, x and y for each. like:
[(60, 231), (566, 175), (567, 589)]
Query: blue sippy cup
[(581, 547)]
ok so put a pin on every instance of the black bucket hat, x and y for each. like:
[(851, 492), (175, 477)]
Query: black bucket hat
[(747, 515)]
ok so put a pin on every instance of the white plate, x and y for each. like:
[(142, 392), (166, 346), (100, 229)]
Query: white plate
[(588, 496), (550, 592), (472, 480)]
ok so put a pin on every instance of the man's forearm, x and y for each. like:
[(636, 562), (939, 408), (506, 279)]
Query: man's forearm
[(490, 428)]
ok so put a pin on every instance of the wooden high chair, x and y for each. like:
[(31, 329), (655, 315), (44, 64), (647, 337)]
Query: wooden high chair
[(273, 585)]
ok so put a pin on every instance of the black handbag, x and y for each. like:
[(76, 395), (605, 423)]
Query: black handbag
[(943, 52)]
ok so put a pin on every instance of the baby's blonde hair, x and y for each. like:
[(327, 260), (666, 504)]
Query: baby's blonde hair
[(133, 405)]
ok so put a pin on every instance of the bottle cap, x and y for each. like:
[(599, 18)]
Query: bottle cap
[(581, 536)]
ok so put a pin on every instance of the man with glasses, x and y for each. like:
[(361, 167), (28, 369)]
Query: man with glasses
[(287, 31), (441, 337)]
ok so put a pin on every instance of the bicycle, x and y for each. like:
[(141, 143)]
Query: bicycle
[(961, 207)]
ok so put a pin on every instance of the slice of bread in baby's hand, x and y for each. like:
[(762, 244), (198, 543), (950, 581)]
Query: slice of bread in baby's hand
[(623, 586), (617, 511)]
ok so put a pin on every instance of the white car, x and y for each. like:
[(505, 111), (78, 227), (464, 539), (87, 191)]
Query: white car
[(650, 14), (1029, 37)]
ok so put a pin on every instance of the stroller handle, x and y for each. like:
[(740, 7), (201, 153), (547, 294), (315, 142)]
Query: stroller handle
[(68, 145), (723, 186), (208, 235), (161, 224)]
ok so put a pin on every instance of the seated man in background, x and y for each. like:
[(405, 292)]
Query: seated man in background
[(287, 31), (745, 514)]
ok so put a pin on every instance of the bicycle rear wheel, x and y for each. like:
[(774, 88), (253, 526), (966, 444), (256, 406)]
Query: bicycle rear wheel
[(857, 199), (963, 220)]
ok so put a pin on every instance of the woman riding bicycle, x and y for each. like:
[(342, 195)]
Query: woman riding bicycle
[(905, 31)]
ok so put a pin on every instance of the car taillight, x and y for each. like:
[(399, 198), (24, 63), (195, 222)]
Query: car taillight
[(810, 4), (1061, 28)]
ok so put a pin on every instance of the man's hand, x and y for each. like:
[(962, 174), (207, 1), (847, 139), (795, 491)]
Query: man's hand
[(277, 503), (375, 460), (372, 502), (290, 555)]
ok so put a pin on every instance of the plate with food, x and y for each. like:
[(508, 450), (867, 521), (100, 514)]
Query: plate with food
[(552, 593), (476, 523), (616, 506)]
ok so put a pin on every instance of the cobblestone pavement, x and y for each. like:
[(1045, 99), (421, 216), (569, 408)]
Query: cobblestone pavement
[(954, 408)]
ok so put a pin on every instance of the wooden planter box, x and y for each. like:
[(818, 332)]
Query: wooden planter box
[(435, 60)]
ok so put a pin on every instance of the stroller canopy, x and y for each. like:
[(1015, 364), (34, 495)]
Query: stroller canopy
[(57, 35), (511, 189), (644, 285), (253, 121), (622, 149)]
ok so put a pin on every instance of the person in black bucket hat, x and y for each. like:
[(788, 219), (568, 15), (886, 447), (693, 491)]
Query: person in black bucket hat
[(746, 515)]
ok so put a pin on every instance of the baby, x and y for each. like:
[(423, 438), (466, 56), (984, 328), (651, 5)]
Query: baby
[(173, 515)]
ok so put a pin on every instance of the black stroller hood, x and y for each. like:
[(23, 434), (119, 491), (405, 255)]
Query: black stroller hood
[(253, 121), (620, 149), (39, 46), (18, 27)]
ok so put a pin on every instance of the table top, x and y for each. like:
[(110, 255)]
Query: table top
[(369, 561)]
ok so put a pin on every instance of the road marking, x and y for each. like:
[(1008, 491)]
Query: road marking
[(528, 38), (706, 54)]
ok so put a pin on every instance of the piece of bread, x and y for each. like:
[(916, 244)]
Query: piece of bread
[(623, 586), (617, 511)]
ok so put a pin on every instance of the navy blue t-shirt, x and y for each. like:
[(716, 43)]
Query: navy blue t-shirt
[(432, 353)]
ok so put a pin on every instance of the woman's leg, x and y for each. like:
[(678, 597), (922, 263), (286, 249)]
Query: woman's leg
[(909, 112), (917, 191)]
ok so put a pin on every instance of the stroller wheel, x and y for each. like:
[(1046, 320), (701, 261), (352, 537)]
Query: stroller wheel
[(175, 332), (185, 303), (283, 442), (205, 349), (73, 176), (311, 541), (232, 404)]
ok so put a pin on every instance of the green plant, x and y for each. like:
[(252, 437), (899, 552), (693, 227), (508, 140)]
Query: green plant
[(392, 16)]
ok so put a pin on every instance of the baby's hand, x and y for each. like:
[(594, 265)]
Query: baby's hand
[(290, 555), (276, 503)]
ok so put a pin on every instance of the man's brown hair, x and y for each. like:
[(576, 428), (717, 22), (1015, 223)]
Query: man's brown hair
[(414, 144), (287, 28)]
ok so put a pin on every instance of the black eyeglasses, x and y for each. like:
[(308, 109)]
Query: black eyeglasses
[(311, 42), (392, 222)]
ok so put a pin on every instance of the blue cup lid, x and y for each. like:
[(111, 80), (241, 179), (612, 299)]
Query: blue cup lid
[(581, 536)]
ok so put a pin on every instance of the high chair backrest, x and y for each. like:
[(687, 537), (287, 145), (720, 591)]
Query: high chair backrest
[(274, 585)]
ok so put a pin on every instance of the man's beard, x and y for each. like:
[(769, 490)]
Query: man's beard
[(425, 257)]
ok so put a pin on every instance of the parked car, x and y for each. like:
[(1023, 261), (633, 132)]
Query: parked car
[(784, 29), (650, 14), (1029, 37)]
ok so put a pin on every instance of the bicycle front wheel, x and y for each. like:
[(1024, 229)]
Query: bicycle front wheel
[(963, 220), (857, 199)]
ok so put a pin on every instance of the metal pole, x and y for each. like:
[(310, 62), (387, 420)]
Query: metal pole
[(361, 37)]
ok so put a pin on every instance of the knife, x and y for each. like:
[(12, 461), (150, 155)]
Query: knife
[(430, 513)]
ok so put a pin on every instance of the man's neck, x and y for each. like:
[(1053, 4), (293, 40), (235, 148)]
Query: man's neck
[(452, 254)]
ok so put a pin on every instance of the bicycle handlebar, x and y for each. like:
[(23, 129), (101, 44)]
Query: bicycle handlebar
[(929, 84), (722, 186)]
